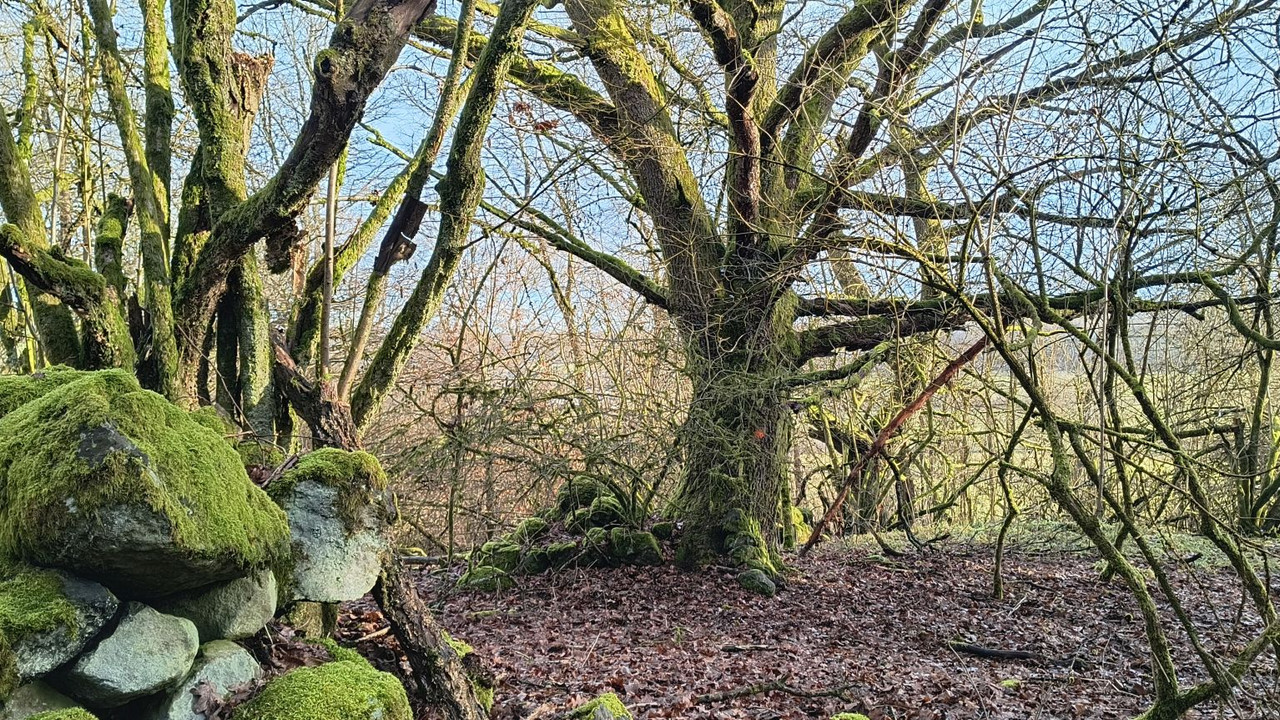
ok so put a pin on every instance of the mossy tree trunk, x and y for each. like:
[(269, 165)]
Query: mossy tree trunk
[(736, 439)]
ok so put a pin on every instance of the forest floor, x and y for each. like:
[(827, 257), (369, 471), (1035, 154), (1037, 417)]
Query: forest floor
[(853, 631)]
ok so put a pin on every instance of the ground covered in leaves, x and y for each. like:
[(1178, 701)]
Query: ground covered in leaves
[(853, 631)]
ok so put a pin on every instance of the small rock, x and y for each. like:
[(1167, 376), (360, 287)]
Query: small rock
[(32, 699), (231, 610), (220, 667), (757, 582), (39, 652), (147, 652)]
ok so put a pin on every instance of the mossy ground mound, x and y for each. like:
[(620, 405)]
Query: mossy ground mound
[(346, 689), (97, 458), (590, 525)]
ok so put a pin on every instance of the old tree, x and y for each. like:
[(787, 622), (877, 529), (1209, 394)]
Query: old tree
[(815, 181)]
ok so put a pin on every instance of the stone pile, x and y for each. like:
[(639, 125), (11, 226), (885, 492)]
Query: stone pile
[(135, 551)]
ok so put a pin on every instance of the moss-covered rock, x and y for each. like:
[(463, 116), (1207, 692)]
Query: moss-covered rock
[(336, 506), (801, 530), (347, 689), (745, 544), (48, 617), (115, 483), (18, 390), (562, 553), (8, 669), (530, 530), (580, 491), (634, 547), (757, 582), (485, 578), (358, 477), (605, 707), (663, 529), (215, 419), (502, 554)]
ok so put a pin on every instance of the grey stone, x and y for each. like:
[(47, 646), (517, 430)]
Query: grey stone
[(222, 665), (147, 652), (331, 563), (32, 699), (231, 610), (40, 653)]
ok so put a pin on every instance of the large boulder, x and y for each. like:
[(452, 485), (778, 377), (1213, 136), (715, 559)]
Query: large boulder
[(49, 617), (147, 652), (112, 482), (219, 668), (336, 505), (228, 610), (348, 689), (33, 699)]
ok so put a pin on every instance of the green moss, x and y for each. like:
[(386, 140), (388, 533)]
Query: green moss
[(68, 714), (501, 554), (745, 545), (32, 600), (634, 547), (850, 716), (209, 417), (561, 554), (799, 526), (579, 492), (485, 578), (756, 581), (340, 690), (18, 390), (358, 477), (460, 647), (260, 454), (8, 669), (663, 530), (63, 456), (484, 696), (339, 653), (529, 530), (608, 701)]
